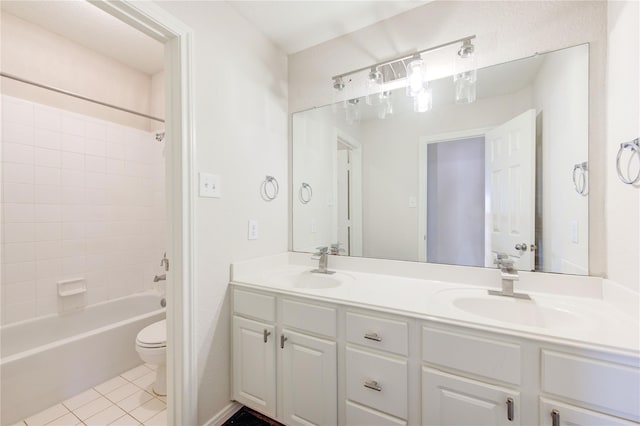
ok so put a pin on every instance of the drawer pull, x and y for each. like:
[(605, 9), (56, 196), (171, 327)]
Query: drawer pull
[(373, 336), (555, 417), (266, 334), (510, 409), (282, 340), (372, 384)]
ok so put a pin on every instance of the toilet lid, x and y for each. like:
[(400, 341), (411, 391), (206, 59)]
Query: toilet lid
[(154, 335)]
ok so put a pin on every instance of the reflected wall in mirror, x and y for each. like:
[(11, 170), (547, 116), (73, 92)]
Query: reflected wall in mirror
[(459, 183)]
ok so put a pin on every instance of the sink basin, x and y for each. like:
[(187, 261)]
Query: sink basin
[(531, 313), (307, 280)]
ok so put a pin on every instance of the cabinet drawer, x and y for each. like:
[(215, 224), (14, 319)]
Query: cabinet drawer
[(357, 415), (472, 354), (308, 317), (377, 381), (605, 386), (379, 333), (572, 415), (256, 305)]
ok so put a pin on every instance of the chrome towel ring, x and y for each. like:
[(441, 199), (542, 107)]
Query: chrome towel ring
[(634, 147), (580, 178), (305, 193), (269, 188)]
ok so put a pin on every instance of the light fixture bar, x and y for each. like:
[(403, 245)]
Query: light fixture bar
[(402, 58)]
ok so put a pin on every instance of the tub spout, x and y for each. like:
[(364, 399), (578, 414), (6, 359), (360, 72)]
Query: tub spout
[(159, 278)]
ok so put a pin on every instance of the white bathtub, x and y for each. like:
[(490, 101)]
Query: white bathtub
[(47, 360)]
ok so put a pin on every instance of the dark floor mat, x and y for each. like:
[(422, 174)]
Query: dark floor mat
[(248, 417)]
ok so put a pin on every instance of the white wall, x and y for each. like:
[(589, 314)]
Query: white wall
[(240, 89), (561, 100), (623, 124), (505, 31), (33, 53), (82, 198)]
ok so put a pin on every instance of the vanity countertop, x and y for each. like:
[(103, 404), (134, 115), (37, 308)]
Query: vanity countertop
[(585, 321)]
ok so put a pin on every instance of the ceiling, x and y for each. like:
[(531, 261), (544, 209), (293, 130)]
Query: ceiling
[(297, 25), (291, 25)]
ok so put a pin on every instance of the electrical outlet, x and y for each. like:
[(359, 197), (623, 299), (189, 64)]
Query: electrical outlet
[(252, 230), (210, 185)]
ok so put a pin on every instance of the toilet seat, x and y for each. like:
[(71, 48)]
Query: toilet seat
[(153, 336)]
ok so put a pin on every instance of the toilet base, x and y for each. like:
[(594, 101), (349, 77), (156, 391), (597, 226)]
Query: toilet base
[(160, 385)]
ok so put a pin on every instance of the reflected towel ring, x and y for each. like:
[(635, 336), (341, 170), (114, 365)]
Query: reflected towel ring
[(269, 188), (305, 193), (634, 146), (580, 179)]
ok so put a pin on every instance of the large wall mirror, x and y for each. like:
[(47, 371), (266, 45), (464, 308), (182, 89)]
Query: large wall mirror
[(459, 183)]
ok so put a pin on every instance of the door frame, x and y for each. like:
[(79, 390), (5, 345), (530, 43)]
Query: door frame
[(182, 379), (422, 182)]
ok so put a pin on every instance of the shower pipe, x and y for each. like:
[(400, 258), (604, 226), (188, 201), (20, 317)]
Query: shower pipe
[(75, 95)]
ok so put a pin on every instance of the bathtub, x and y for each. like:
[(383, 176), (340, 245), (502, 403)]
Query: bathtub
[(49, 359)]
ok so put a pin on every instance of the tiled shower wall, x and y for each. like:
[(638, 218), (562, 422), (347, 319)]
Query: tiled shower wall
[(81, 199)]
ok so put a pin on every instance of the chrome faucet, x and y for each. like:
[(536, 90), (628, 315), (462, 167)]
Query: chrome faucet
[(159, 278), (322, 256), (508, 275)]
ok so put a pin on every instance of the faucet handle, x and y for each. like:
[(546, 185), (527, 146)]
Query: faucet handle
[(336, 249), (322, 250)]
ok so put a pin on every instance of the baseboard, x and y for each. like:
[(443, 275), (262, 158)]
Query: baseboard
[(224, 414)]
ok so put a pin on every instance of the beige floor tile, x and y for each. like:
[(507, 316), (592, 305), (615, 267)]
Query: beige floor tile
[(46, 416), (93, 407), (110, 385), (135, 373), (134, 401), (159, 419), (66, 420), (105, 417), (125, 420), (148, 410), (146, 382), (81, 399), (122, 392)]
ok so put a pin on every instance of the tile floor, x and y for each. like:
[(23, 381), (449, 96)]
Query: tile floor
[(122, 401)]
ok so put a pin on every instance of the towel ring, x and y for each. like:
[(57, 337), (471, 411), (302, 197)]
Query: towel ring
[(305, 193), (269, 188), (580, 179), (634, 146)]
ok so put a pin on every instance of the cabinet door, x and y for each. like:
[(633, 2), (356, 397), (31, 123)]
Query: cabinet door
[(553, 413), (254, 365), (309, 380), (449, 400)]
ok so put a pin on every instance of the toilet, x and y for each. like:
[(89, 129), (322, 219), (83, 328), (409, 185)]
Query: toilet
[(151, 345)]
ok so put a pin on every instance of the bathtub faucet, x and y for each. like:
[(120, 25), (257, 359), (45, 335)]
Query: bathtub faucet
[(159, 278)]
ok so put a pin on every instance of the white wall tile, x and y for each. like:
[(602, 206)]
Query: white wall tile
[(20, 292), (95, 164), (48, 250), (19, 252), (72, 124), (96, 130), (95, 147), (47, 194), (95, 180), (48, 231), (48, 269), (47, 157), (48, 213), (73, 195), (73, 265), (19, 312), (47, 176), (72, 161), (74, 213), (46, 305), (18, 193), (72, 143), (47, 139), (47, 118), (17, 133), (115, 166), (115, 150), (73, 248), (17, 153), (18, 213), (19, 272), (73, 178), (73, 231), (19, 232), (16, 110), (17, 173)]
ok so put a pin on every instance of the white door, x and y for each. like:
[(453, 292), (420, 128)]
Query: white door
[(449, 400), (510, 160), (254, 365), (309, 380), (344, 202)]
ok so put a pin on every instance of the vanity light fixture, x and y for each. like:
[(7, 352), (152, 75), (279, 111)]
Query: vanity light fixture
[(465, 76)]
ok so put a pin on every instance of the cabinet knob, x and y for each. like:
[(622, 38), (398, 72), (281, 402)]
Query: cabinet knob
[(555, 417), (510, 405), (282, 340), (373, 336), (372, 384), (266, 334)]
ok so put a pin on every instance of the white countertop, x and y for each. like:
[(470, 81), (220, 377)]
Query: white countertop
[(585, 319)]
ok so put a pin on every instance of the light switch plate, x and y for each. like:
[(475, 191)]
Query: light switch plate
[(210, 185), (252, 230), (413, 203)]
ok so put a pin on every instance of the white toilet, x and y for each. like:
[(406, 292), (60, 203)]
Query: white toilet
[(151, 344)]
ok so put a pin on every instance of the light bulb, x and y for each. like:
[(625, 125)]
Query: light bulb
[(416, 75), (423, 101)]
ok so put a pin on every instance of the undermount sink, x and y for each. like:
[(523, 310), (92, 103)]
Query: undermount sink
[(509, 310), (308, 280)]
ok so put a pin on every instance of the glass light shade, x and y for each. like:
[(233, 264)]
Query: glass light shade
[(466, 87), (352, 111), (386, 108), (416, 76), (374, 87), (423, 101)]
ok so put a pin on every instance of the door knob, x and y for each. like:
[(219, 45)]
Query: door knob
[(521, 247)]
